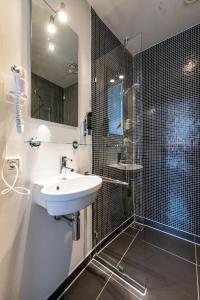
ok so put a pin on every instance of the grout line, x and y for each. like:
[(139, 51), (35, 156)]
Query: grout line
[(111, 273), (121, 225), (104, 286), (176, 236), (122, 232), (117, 265), (171, 253), (127, 248), (197, 275), (98, 263), (121, 279), (74, 280), (181, 257), (128, 234), (126, 288), (126, 253)]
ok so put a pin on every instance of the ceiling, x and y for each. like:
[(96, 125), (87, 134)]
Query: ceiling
[(147, 22), (52, 65)]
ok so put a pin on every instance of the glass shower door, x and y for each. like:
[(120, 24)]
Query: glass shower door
[(116, 106)]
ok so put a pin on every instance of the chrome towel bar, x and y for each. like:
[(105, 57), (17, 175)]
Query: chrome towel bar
[(114, 181), (110, 180)]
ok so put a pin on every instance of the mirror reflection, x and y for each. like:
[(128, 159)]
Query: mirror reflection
[(54, 65)]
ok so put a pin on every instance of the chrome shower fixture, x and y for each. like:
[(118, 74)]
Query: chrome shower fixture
[(72, 68), (126, 40)]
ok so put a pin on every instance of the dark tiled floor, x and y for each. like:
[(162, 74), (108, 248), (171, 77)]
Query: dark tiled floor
[(131, 231), (88, 285), (165, 264), (116, 291), (115, 250), (170, 243), (166, 276)]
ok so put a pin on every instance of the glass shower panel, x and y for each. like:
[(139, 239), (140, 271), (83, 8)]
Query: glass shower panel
[(117, 129)]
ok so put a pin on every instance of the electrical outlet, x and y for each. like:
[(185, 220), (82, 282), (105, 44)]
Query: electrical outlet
[(11, 162)]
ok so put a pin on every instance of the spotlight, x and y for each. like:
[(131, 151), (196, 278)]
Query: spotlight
[(51, 26), (51, 47), (62, 13), (112, 80), (189, 66), (121, 76)]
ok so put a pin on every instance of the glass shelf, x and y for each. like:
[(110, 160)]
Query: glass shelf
[(35, 143)]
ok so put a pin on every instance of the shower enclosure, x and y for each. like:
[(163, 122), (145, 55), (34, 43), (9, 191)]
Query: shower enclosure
[(117, 133)]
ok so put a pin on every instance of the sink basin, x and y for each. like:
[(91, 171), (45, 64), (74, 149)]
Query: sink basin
[(66, 196)]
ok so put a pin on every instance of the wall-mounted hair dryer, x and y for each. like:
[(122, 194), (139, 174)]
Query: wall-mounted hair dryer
[(17, 93)]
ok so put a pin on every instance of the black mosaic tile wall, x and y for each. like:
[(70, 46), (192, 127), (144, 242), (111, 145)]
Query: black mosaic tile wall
[(70, 106), (170, 148), (47, 100), (53, 103), (165, 84), (109, 59)]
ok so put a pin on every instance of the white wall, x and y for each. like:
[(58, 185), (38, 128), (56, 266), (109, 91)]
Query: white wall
[(36, 252)]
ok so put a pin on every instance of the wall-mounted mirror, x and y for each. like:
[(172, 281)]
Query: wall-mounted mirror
[(54, 65)]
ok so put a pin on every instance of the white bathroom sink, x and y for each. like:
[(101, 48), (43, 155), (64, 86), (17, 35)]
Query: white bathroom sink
[(65, 196)]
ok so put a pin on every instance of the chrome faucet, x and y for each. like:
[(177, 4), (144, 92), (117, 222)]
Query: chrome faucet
[(63, 164)]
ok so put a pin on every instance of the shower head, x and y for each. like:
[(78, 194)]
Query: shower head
[(126, 40), (72, 68)]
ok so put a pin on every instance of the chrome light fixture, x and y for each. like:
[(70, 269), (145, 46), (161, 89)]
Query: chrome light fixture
[(60, 13), (62, 16), (121, 76), (51, 47), (51, 26)]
